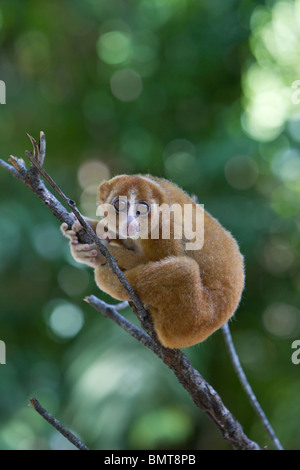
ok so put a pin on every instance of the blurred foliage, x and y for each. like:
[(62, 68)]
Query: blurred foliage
[(196, 91)]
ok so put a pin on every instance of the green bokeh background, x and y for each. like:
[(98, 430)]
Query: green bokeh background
[(196, 91)]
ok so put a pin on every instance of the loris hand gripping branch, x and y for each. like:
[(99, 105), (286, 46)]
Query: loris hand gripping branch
[(189, 288)]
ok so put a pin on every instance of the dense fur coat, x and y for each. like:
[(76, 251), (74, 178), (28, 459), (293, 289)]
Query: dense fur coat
[(189, 293)]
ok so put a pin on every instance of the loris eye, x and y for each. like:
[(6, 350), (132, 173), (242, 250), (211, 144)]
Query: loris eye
[(120, 205), (142, 208)]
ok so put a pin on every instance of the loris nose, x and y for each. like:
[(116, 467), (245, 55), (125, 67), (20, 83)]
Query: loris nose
[(132, 224), (130, 219)]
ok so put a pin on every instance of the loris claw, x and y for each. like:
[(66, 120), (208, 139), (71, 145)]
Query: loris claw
[(190, 289)]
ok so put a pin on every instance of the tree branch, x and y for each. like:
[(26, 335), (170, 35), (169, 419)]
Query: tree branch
[(202, 393), (57, 425), (247, 387)]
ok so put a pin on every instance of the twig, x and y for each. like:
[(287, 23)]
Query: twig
[(42, 147), (247, 387), (31, 179), (39, 188), (121, 305), (203, 395), (57, 425)]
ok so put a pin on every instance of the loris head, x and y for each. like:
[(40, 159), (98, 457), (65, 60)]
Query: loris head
[(128, 205)]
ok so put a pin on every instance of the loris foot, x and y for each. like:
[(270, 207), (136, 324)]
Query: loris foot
[(82, 252)]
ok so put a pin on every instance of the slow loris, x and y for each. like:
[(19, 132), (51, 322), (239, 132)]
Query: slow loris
[(189, 288)]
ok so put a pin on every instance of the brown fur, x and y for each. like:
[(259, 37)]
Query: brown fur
[(189, 293)]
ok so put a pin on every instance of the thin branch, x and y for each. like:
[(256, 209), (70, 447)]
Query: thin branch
[(11, 169), (121, 305), (247, 387), (57, 425), (42, 147), (109, 311), (203, 395)]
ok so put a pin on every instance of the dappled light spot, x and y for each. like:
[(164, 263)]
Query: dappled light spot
[(66, 320), (92, 173), (88, 200), (286, 165), (126, 85), (48, 241), (267, 83), (282, 320), (114, 47)]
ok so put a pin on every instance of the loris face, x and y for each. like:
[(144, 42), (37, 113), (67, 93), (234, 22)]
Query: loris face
[(129, 207)]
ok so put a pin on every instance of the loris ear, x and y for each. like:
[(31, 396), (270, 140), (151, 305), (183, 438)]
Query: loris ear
[(103, 191)]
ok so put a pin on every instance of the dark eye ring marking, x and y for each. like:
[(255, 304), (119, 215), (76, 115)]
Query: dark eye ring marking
[(143, 208), (119, 205)]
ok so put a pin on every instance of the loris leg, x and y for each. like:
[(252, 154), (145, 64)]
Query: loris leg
[(183, 310), (107, 280)]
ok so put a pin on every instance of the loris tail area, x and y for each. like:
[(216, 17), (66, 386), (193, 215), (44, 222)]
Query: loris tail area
[(182, 264)]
